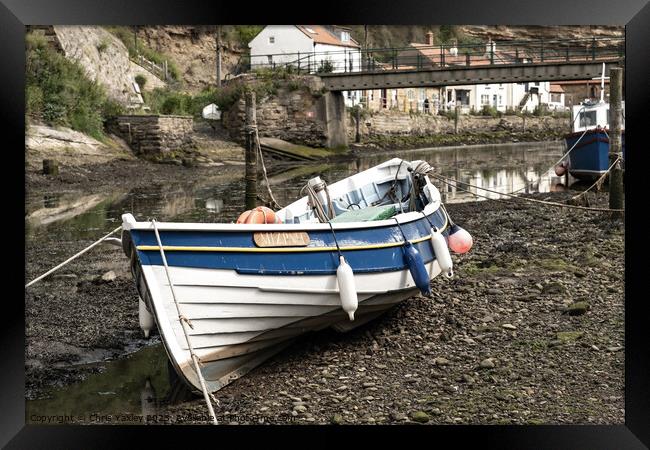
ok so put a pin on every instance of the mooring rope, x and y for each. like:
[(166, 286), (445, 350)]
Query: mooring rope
[(73, 257), (599, 181), (185, 322), (316, 204), (555, 164), (253, 129), (533, 200)]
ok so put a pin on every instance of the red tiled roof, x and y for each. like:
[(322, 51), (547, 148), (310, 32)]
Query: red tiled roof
[(321, 35), (556, 89), (432, 54)]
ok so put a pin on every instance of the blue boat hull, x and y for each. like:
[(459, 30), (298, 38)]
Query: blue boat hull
[(590, 157)]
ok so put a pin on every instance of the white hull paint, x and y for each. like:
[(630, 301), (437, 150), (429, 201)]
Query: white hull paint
[(241, 320)]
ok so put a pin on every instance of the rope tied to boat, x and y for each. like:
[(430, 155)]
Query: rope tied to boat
[(533, 200), (185, 323), (599, 182), (338, 249), (72, 258), (314, 201)]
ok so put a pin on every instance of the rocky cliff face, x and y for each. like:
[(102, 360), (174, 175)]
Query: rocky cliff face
[(104, 58), (194, 50)]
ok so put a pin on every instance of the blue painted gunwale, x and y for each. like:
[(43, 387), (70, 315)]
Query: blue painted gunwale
[(286, 263)]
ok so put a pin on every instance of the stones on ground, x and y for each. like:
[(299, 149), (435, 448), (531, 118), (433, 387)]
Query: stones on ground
[(106, 278), (300, 408), (569, 336), (508, 326), (440, 361), (337, 419), (487, 363), (553, 288), (577, 308), (420, 417)]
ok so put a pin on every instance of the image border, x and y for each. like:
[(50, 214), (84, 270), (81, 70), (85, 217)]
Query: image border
[(16, 14)]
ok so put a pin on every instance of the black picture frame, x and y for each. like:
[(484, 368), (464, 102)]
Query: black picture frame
[(15, 14)]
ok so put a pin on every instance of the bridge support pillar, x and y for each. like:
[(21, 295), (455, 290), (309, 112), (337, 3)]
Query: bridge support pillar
[(331, 113)]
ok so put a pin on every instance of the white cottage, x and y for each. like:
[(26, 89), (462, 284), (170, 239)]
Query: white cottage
[(326, 48)]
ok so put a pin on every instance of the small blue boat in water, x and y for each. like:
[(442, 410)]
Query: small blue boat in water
[(588, 143)]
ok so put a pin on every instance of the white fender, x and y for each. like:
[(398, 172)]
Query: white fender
[(441, 251), (347, 288), (146, 319)]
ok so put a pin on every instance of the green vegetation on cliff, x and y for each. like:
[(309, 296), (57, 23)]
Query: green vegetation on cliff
[(58, 91)]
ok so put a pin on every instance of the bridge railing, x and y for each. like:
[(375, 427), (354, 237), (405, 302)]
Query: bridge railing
[(431, 57)]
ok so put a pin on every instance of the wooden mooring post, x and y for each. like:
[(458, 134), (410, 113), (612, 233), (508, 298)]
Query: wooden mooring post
[(615, 146), (251, 151), (456, 118)]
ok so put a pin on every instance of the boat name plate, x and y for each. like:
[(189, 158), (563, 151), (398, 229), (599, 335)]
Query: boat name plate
[(281, 239)]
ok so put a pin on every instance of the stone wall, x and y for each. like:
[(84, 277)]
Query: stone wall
[(155, 137), (298, 112), (394, 122)]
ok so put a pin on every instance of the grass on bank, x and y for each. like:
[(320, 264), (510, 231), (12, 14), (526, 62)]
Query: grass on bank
[(58, 91)]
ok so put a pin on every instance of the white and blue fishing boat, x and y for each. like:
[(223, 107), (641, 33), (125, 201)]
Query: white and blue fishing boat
[(236, 294), (588, 142)]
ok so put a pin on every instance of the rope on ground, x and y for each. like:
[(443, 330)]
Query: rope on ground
[(253, 130), (73, 257), (185, 323), (533, 200), (598, 182)]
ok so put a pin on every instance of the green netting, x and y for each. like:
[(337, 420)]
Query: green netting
[(369, 213)]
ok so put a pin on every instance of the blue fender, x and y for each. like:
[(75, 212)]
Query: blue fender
[(417, 269)]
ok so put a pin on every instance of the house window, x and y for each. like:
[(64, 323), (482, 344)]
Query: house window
[(270, 59), (409, 94), (345, 36), (485, 99), (555, 98), (500, 100), (271, 39)]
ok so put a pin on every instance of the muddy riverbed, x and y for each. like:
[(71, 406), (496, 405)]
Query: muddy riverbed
[(530, 330)]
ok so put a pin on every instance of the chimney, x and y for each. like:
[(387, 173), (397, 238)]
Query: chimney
[(429, 38)]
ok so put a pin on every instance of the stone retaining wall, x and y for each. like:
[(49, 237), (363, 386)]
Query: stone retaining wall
[(298, 112), (392, 122), (154, 136)]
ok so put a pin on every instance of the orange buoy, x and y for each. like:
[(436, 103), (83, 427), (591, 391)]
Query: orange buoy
[(259, 215)]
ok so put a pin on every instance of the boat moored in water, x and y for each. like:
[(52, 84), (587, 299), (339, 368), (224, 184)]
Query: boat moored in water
[(341, 256)]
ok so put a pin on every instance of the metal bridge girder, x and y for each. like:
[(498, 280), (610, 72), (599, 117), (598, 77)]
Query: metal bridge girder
[(462, 75)]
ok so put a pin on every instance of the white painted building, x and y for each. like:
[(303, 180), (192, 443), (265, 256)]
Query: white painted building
[(317, 47)]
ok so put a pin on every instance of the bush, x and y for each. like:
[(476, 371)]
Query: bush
[(103, 45), (59, 92), (325, 66), (246, 33), (490, 111), (141, 80)]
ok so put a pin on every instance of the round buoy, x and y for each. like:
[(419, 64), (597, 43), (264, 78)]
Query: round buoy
[(259, 215), (460, 241), (560, 170)]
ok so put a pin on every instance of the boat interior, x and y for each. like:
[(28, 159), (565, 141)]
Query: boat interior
[(392, 188)]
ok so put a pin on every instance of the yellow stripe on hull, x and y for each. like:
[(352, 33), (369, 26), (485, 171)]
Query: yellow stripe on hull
[(175, 248)]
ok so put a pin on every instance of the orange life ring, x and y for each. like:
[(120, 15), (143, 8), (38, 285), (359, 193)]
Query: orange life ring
[(259, 215)]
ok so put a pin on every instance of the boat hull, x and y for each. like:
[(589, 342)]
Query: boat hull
[(590, 156), (246, 303)]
